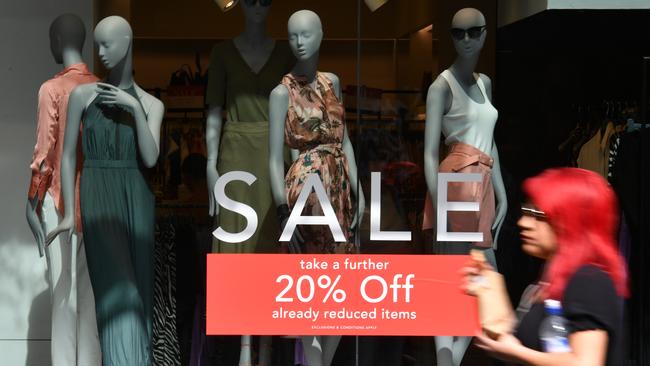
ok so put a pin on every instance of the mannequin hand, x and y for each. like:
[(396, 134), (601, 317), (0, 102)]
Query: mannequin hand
[(498, 220), (66, 227), (35, 225), (297, 239), (212, 176), (505, 348), (113, 96)]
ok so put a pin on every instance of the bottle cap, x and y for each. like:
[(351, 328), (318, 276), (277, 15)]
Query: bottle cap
[(553, 307)]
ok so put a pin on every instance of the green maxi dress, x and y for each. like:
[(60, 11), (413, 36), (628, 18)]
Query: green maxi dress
[(244, 143), (117, 209)]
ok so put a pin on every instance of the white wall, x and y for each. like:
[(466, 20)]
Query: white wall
[(598, 4), (25, 62), (511, 11)]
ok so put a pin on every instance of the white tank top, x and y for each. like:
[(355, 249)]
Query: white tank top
[(468, 121)]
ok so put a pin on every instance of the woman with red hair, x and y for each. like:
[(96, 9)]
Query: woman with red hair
[(570, 222)]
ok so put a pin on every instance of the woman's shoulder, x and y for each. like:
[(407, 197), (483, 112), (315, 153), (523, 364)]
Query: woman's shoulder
[(590, 277), (590, 299)]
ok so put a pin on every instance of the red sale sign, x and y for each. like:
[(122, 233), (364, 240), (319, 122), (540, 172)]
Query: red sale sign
[(276, 294)]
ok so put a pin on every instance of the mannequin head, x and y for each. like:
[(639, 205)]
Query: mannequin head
[(255, 11), (113, 36), (66, 31), (468, 30), (305, 34)]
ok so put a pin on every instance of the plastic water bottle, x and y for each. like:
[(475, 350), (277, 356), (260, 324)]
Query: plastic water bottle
[(553, 331)]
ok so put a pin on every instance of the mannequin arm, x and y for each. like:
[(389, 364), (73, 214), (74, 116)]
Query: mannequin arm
[(436, 101), (148, 132), (213, 126), (147, 125), (278, 109), (354, 181), (500, 193), (352, 163), (35, 224), (76, 103), (497, 179), (47, 129)]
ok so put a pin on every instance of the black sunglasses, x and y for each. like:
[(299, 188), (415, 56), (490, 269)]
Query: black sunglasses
[(473, 32), (262, 2)]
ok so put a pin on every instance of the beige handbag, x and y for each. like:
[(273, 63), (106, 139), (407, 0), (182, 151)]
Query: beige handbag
[(495, 310)]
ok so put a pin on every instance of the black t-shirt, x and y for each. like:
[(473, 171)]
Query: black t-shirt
[(590, 302)]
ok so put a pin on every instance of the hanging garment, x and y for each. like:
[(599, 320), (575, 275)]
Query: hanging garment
[(315, 126), (594, 154), (614, 144), (165, 346), (244, 143), (118, 228)]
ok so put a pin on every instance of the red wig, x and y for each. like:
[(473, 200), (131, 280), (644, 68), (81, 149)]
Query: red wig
[(583, 211)]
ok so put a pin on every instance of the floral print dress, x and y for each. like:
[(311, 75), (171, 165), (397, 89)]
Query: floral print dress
[(315, 126)]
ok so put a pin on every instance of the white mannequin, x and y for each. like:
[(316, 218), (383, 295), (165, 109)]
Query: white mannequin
[(450, 350), (255, 47), (116, 33), (67, 35), (305, 36), (74, 330), (113, 36)]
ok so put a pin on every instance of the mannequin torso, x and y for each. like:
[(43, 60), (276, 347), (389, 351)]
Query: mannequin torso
[(469, 115), (255, 55)]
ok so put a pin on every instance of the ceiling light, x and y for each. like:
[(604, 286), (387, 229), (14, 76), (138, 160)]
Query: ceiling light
[(375, 4), (226, 5)]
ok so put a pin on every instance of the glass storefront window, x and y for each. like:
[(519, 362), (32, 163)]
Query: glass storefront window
[(393, 143)]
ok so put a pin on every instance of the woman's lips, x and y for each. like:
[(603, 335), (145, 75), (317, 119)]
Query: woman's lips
[(525, 238)]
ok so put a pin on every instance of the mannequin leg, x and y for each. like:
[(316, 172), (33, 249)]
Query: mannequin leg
[(459, 348), (313, 351), (320, 350), (64, 322), (330, 344), (448, 348), (265, 351), (88, 352), (245, 353), (444, 350)]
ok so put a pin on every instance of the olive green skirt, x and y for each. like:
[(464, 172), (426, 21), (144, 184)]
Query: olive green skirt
[(245, 147)]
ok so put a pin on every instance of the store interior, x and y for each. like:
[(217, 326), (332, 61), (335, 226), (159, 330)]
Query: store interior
[(558, 78)]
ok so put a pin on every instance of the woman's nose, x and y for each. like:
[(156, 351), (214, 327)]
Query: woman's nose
[(525, 222)]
